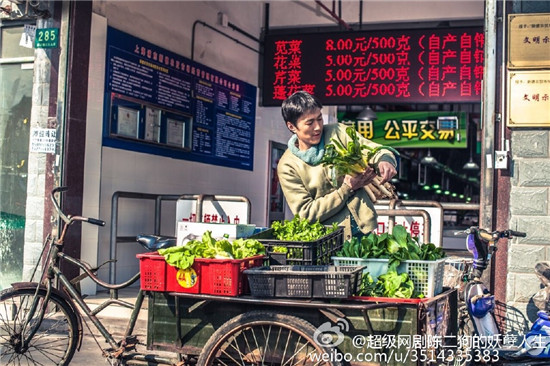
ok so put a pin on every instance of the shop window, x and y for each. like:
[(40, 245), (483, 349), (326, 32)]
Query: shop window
[(16, 74)]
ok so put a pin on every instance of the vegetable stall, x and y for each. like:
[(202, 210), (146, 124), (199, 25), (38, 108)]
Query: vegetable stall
[(243, 301)]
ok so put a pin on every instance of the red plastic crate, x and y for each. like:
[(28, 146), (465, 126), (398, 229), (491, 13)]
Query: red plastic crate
[(207, 276), (157, 275)]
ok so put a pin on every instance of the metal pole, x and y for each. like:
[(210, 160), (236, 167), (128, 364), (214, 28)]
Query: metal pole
[(114, 225), (488, 104)]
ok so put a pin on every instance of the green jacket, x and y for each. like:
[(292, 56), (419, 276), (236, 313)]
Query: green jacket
[(310, 194)]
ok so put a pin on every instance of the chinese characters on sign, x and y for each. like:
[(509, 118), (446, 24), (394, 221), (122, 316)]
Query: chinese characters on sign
[(529, 41), (415, 224), (43, 140), (415, 129), (422, 66), (176, 106), (528, 91), (528, 98)]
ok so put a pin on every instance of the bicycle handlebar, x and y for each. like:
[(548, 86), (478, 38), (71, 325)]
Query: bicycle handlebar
[(487, 236), (96, 222), (518, 234), (482, 243), (70, 219)]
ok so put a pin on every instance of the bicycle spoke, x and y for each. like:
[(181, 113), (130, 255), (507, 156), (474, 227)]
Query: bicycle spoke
[(235, 346)]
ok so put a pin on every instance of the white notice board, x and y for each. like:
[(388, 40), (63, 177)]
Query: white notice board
[(213, 211), (415, 224)]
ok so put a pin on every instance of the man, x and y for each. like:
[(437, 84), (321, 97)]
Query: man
[(307, 184)]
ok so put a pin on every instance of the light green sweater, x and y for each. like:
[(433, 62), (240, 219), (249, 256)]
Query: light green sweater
[(311, 195)]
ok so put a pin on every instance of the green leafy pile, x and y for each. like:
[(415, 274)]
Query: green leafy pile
[(183, 256), (299, 229), (390, 284), (353, 158), (397, 246)]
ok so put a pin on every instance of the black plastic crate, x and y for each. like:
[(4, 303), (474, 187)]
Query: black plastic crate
[(316, 252), (304, 281)]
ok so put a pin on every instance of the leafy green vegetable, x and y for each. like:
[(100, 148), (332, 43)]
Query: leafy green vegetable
[(397, 247), (390, 284), (244, 248), (299, 229), (183, 256), (353, 158)]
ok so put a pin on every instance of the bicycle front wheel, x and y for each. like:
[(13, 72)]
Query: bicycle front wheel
[(265, 338), (56, 336)]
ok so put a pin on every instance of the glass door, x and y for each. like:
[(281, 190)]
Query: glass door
[(276, 200), (16, 77)]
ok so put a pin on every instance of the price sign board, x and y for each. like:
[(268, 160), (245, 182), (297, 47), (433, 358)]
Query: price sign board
[(443, 65), (46, 38)]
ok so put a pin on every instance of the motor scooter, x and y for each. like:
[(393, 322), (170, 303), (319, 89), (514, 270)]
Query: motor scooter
[(478, 323)]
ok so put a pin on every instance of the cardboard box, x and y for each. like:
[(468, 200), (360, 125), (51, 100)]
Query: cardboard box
[(194, 230)]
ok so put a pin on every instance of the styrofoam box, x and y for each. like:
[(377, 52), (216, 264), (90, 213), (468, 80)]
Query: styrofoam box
[(194, 230)]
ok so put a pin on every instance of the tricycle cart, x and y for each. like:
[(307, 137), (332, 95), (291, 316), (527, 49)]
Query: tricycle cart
[(244, 330)]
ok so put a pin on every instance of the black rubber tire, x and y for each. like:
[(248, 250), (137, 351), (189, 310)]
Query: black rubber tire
[(243, 339), (463, 354), (54, 342)]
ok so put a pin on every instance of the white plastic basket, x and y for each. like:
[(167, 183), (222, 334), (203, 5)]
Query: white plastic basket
[(427, 276), (375, 267)]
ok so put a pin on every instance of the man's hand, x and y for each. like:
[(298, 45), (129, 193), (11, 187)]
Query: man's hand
[(386, 171), (360, 180)]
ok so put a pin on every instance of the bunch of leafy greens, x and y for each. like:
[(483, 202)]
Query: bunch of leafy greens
[(183, 256), (397, 246), (299, 229), (353, 158), (390, 284)]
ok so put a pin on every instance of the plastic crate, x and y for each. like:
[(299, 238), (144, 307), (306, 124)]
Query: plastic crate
[(427, 276), (316, 252), (225, 276), (304, 281), (207, 276)]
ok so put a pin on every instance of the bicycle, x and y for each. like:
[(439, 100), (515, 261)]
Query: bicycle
[(43, 325), (477, 318)]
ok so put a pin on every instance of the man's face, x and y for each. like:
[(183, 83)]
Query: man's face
[(308, 129)]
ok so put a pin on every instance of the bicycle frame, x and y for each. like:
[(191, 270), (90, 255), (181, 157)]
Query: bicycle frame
[(52, 271)]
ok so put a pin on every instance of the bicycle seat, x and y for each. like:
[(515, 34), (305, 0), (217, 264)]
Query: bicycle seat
[(155, 242)]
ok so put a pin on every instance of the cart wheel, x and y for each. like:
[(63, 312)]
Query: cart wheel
[(266, 338)]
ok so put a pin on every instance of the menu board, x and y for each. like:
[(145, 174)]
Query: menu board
[(443, 65), (162, 103)]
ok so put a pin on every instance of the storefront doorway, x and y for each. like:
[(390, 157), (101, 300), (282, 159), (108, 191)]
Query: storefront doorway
[(16, 74)]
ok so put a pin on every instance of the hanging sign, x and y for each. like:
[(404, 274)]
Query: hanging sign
[(415, 129), (441, 65)]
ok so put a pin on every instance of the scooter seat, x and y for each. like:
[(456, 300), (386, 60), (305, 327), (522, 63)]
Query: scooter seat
[(155, 242)]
